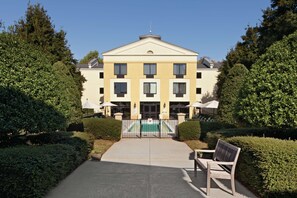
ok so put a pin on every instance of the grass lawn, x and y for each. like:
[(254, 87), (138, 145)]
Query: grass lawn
[(101, 146), (196, 144)]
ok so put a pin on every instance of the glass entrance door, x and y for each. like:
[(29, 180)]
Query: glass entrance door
[(150, 110)]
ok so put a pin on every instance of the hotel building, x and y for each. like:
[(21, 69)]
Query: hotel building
[(149, 78)]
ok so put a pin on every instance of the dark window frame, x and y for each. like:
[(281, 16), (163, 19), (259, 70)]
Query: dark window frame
[(179, 93), (198, 90), (199, 75), (121, 93), (101, 90), (101, 75), (121, 73), (150, 93), (179, 74), (150, 74)]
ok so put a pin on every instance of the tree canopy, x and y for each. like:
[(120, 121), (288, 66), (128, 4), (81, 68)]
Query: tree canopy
[(268, 97), (37, 29), (279, 20), (91, 55), (31, 98)]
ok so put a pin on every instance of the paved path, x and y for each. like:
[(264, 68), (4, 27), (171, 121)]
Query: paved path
[(142, 168)]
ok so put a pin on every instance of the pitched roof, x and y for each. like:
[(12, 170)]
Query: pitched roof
[(100, 65), (207, 63), (150, 43)]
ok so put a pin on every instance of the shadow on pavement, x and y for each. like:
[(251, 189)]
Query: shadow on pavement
[(110, 179)]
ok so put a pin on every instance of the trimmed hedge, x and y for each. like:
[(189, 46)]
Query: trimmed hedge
[(267, 165), (212, 137), (30, 171), (103, 128), (189, 130), (81, 141), (212, 126)]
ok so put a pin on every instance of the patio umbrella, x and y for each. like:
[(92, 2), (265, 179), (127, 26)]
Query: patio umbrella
[(90, 105), (211, 104), (195, 104), (107, 104)]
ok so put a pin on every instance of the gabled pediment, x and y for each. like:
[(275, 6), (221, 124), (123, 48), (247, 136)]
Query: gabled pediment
[(150, 46)]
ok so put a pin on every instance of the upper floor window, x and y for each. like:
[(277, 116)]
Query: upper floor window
[(120, 69), (101, 90), (101, 75), (149, 88), (179, 89), (179, 70), (120, 89), (198, 90), (150, 69), (198, 75)]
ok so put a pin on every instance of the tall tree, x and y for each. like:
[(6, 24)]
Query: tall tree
[(91, 55), (37, 29), (279, 20), (245, 52)]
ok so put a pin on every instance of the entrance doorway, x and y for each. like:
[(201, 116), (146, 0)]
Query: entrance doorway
[(150, 110)]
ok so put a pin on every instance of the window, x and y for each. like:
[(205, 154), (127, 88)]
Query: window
[(179, 89), (198, 90), (101, 90), (198, 75), (149, 89), (120, 69), (179, 70), (150, 69), (101, 75), (120, 89)]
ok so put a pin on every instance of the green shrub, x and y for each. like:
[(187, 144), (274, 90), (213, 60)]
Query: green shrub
[(81, 141), (268, 97), (189, 130), (230, 91), (212, 126), (30, 171), (212, 137), (267, 165), (103, 128), (35, 95), (53, 156)]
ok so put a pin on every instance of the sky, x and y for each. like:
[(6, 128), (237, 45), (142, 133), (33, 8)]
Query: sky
[(209, 27)]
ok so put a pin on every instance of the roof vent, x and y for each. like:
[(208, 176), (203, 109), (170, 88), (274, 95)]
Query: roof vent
[(150, 36)]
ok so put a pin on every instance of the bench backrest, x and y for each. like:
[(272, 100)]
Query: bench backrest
[(226, 152)]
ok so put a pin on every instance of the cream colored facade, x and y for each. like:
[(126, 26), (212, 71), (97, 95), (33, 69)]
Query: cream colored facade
[(207, 83), (169, 89), (91, 88)]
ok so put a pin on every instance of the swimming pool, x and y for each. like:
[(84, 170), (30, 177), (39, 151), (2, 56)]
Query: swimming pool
[(149, 127)]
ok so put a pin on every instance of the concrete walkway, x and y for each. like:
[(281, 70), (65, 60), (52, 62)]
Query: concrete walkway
[(143, 168)]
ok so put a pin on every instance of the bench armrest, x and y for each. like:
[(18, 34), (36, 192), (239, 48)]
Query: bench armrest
[(202, 151), (219, 163)]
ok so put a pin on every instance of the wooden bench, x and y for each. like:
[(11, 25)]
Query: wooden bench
[(222, 165)]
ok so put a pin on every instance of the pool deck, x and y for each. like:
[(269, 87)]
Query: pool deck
[(147, 167)]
